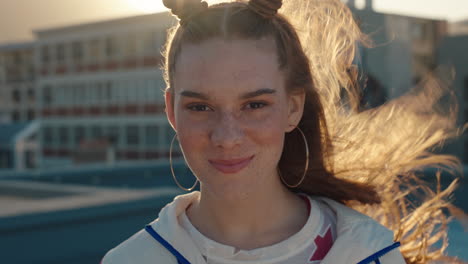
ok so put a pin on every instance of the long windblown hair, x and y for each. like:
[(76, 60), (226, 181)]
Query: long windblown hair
[(387, 146), (364, 159)]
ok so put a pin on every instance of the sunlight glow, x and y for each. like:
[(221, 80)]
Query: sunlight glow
[(146, 6)]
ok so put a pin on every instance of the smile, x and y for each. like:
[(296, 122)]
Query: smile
[(231, 166)]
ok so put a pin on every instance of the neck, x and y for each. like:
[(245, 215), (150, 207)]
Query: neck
[(263, 218)]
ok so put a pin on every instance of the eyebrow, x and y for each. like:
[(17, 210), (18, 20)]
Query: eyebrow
[(194, 95), (258, 93), (244, 96)]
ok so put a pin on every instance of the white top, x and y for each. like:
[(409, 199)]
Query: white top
[(358, 237), (309, 245)]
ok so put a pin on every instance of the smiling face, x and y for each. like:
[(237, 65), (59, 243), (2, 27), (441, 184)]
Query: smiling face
[(230, 109)]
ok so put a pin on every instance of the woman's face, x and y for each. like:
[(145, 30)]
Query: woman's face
[(231, 112)]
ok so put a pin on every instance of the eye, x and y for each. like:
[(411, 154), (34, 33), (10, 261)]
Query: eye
[(255, 105), (198, 108)]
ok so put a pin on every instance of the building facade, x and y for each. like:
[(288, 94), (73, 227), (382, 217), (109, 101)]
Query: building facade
[(404, 48), (458, 28), (452, 52), (100, 91), (17, 83), (18, 91), (95, 89)]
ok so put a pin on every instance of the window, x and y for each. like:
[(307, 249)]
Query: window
[(79, 134), (152, 136), (48, 135), (58, 93), (30, 73), (77, 51), (94, 50), (111, 47), (31, 114), (96, 132), (87, 93), (15, 116), (152, 91), (99, 88), (45, 56), (139, 90), (418, 30), (113, 134), (121, 91), (61, 52), (130, 45), (108, 92), (133, 138), (47, 95), (30, 159), (9, 58), (63, 135), (17, 57), (5, 159), (130, 91), (15, 95), (79, 91), (31, 95)]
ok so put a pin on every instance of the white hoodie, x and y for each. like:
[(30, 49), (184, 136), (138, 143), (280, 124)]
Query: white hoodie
[(360, 239)]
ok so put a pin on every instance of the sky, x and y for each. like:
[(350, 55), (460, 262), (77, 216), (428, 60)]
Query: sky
[(18, 18)]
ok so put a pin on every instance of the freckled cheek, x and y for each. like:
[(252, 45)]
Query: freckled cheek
[(267, 131), (192, 135)]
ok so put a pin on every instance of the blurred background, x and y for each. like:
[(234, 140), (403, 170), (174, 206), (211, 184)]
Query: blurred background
[(84, 140)]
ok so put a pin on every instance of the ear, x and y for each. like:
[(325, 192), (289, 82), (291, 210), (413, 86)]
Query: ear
[(295, 109), (168, 97)]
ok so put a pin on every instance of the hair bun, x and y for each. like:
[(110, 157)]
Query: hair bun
[(185, 9), (266, 8)]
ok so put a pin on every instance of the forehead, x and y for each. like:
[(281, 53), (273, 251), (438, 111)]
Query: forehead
[(228, 64)]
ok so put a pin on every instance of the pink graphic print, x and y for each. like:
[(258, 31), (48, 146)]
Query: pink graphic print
[(323, 243)]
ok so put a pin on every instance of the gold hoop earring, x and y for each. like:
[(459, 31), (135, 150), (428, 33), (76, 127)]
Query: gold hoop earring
[(306, 164), (172, 170)]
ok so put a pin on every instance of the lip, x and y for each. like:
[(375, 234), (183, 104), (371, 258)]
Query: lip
[(232, 165)]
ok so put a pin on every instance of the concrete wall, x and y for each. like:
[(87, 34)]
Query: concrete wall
[(74, 236)]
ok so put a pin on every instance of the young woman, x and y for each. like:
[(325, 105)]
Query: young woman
[(256, 114)]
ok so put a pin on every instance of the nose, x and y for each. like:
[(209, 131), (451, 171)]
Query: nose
[(227, 132)]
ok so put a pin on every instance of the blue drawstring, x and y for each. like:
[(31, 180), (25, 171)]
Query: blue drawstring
[(180, 259), (375, 257)]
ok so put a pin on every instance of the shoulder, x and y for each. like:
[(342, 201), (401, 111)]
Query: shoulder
[(143, 248), (360, 237), (349, 219), (139, 248)]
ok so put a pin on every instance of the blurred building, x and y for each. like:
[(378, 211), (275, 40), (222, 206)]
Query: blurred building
[(100, 91), (18, 132), (96, 88), (19, 145), (459, 28), (452, 52), (404, 48), (17, 90)]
